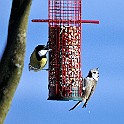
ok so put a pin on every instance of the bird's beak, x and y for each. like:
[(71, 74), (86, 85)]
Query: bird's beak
[(47, 48), (97, 68)]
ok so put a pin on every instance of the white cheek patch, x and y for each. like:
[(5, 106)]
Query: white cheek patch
[(42, 52), (96, 77)]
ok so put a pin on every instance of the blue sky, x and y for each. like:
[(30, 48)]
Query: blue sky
[(102, 46)]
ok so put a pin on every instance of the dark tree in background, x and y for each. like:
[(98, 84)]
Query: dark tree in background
[(12, 62)]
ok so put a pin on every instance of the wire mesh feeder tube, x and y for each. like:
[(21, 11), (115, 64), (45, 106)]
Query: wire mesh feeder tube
[(65, 81)]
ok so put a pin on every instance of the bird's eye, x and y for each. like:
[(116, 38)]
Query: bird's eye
[(94, 72)]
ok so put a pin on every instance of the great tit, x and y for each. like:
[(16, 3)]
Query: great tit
[(38, 58)]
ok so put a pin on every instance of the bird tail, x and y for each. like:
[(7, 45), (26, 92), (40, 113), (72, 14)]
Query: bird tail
[(75, 105)]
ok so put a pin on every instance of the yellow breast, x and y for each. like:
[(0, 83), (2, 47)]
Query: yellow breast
[(38, 65)]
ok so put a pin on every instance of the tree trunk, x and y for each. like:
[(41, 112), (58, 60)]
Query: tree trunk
[(12, 62)]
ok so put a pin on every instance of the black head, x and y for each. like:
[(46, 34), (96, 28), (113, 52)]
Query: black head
[(39, 48)]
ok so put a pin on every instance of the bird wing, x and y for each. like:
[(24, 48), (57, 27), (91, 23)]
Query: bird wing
[(91, 92), (34, 63), (84, 88)]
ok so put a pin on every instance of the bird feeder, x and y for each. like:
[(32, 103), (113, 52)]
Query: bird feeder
[(64, 22)]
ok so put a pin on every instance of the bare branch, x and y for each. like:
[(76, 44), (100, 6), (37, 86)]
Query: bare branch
[(12, 61)]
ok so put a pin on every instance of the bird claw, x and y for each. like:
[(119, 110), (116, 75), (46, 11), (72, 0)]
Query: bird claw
[(85, 105), (46, 69)]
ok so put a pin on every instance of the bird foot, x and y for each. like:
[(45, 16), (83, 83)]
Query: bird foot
[(84, 106), (46, 69)]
